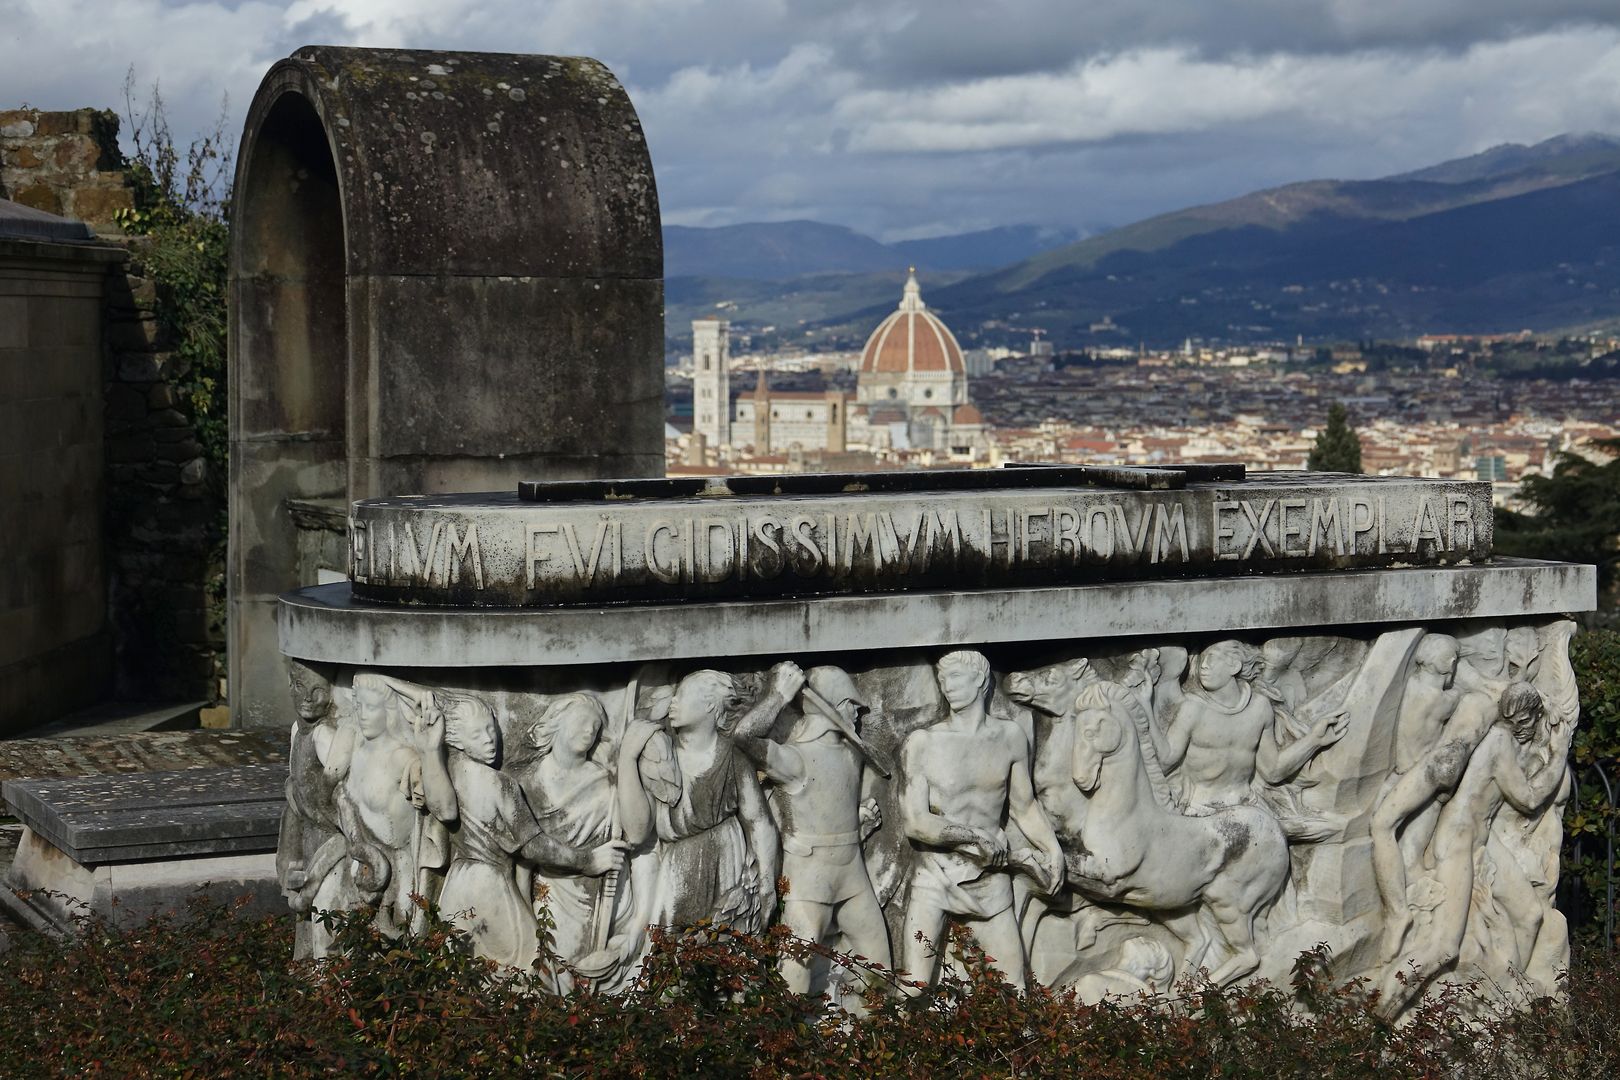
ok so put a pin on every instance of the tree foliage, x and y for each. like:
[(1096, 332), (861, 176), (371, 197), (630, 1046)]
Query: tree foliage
[(180, 218), (1338, 447), (1573, 514)]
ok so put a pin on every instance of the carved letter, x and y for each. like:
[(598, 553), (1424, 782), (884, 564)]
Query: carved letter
[(802, 533), (1222, 532), (1095, 536), (584, 569), (1023, 540), (668, 575), (712, 569), (459, 551), (944, 527), (1134, 541), (1257, 522), (1326, 524), (1288, 530), (1169, 527), (863, 533), (1460, 529), (1424, 525), (535, 555), (1360, 524), (769, 564), (1066, 530)]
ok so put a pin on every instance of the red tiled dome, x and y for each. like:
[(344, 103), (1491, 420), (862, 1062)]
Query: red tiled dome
[(911, 339)]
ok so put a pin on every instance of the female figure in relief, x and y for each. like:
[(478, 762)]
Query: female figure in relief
[(573, 797), (717, 845)]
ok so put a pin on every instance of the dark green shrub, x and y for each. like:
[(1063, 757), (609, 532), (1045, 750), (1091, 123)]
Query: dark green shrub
[(219, 996)]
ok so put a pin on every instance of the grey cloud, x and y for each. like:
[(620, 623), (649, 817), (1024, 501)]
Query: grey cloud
[(910, 116)]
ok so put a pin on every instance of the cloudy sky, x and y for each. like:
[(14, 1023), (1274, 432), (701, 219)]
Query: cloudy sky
[(918, 117)]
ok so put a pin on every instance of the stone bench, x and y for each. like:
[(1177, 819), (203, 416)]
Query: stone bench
[(124, 847)]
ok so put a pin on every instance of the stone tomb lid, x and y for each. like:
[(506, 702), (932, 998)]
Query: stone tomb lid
[(19, 222), (154, 815)]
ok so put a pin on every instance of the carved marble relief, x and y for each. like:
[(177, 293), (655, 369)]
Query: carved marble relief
[(1106, 816)]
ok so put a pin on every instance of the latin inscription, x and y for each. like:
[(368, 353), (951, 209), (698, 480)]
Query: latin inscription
[(577, 554)]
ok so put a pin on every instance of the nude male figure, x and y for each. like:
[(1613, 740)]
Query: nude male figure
[(1509, 767), (1222, 734), (965, 777), (1408, 808), (820, 797)]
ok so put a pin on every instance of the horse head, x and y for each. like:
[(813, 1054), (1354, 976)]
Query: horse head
[(1099, 734), (1050, 689)]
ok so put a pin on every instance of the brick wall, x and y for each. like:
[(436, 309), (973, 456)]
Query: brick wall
[(160, 506)]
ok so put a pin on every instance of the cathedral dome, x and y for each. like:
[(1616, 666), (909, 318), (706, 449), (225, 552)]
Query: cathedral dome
[(912, 339)]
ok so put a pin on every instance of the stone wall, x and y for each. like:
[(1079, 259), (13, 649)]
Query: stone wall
[(64, 163), (54, 646), (161, 512)]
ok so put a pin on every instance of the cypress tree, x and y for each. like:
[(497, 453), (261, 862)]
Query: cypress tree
[(1338, 447)]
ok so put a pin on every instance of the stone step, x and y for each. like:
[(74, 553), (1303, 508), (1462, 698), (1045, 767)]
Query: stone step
[(120, 718)]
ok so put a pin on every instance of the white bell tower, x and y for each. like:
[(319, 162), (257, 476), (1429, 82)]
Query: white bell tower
[(711, 380)]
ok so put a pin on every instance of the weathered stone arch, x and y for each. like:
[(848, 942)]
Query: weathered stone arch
[(446, 275)]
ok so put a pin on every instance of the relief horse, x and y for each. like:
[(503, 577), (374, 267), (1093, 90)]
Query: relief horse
[(1226, 867)]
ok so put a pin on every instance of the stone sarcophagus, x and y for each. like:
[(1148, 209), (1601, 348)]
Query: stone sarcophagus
[(1122, 724)]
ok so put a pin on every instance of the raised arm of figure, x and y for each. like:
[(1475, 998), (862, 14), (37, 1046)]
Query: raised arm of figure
[(1173, 734), (647, 771), (1279, 762)]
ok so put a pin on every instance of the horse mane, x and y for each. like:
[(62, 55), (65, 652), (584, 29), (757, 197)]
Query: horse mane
[(1120, 699)]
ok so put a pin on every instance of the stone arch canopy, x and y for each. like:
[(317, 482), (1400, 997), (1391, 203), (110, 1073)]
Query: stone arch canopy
[(446, 275)]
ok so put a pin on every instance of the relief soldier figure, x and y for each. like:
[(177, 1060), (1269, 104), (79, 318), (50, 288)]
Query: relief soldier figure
[(819, 795)]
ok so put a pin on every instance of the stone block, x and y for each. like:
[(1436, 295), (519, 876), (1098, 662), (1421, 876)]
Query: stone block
[(16, 125), (99, 204), (46, 890), (67, 122), (13, 323), (134, 449), (126, 408), (40, 197), (179, 451), (77, 154), (142, 336), (139, 367), (21, 157), (156, 815)]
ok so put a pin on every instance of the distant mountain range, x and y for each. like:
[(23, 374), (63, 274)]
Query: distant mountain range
[(782, 250), (1514, 237)]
